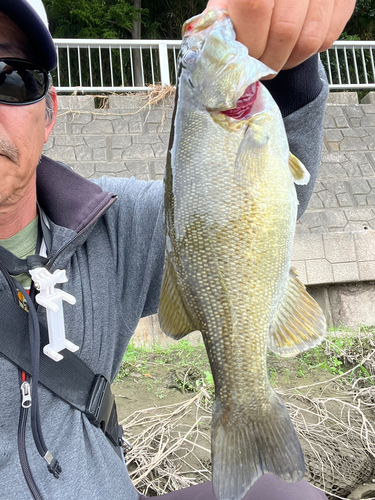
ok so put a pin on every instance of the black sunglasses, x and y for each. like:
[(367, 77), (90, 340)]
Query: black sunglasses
[(22, 82)]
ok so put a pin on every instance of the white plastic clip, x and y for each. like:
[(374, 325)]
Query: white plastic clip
[(51, 299)]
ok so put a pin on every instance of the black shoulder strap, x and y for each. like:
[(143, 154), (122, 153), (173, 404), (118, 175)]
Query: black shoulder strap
[(70, 379)]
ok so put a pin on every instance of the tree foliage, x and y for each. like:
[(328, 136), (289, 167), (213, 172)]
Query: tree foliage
[(118, 18), (362, 24), (160, 19), (166, 17), (92, 18)]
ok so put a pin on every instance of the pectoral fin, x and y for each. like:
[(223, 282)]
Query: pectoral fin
[(173, 317), (299, 172), (299, 322)]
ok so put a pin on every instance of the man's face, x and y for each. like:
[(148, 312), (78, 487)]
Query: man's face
[(23, 129)]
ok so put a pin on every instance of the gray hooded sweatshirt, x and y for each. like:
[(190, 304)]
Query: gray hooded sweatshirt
[(108, 236)]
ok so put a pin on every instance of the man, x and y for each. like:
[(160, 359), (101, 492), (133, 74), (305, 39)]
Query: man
[(112, 251)]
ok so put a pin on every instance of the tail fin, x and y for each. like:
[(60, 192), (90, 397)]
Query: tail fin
[(244, 451)]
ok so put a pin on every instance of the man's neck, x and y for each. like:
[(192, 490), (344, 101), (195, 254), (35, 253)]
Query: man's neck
[(13, 218)]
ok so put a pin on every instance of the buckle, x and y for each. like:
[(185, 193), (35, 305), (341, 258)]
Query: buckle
[(55, 469), (100, 406), (126, 446)]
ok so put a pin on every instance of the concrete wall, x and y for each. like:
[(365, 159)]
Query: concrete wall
[(334, 250)]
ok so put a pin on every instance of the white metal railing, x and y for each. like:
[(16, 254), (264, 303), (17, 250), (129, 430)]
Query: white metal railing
[(114, 65), (350, 65), (133, 65)]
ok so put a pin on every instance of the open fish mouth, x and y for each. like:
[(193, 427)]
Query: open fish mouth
[(244, 104)]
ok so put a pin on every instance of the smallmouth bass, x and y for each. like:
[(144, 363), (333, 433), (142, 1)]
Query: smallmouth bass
[(230, 210)]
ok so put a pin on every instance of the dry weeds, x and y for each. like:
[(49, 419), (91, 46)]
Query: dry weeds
[(333, 419), (165, 447)]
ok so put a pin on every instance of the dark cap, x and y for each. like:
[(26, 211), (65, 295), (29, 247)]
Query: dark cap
[(30, 16)]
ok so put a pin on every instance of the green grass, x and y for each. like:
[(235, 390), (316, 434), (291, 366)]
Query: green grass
[(187, 365), (181, 349), (335, 356), (338, 354), (180, 355)]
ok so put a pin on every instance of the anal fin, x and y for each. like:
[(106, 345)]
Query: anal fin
[(173, 317), (299, 323)]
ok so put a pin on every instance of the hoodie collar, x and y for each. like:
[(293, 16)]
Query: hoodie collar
[(69, 200)]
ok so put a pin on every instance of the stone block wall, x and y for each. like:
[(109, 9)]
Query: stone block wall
[(128, 138), (335, 257), (344, 194), (335, 238)]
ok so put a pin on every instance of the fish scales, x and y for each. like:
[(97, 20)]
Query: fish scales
[(230, 210)]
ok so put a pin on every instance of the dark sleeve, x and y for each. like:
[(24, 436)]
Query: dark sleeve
[(268, 487), (294, 88), (301, 95)]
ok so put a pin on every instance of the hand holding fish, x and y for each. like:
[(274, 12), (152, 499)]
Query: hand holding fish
[(284, 33)]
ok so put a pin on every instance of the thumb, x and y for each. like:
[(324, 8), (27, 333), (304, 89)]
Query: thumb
[(251, 20)]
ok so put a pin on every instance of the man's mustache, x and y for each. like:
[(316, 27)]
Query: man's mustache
[(9, 150)]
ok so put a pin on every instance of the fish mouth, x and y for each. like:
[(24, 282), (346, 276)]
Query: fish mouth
[(244, 103)]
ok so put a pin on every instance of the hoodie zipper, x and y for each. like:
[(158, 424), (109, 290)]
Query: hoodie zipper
[(21, 437)]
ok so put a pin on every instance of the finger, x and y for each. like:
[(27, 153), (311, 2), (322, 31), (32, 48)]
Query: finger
[(343, 9), (217, 4), (286, 24), (251, 20), (313, 33)]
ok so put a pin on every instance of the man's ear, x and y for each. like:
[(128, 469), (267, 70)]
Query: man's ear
[(50, 121)]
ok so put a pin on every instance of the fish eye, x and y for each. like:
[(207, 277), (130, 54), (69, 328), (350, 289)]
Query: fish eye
[(190, 57)]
